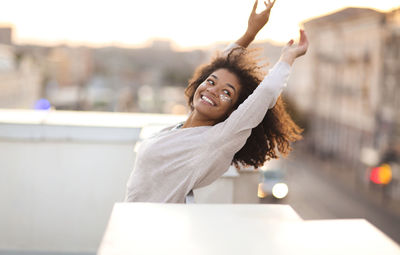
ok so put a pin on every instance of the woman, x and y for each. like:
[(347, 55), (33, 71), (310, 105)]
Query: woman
[(229, 123)]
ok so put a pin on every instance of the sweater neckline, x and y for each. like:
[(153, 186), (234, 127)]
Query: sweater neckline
[(179, 126)]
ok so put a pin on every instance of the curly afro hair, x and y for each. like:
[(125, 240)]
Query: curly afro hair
[(275, 132)]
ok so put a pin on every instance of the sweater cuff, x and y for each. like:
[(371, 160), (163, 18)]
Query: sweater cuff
[(229, 48)]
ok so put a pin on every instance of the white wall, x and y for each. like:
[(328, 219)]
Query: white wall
[(57, 196), (61, 173)]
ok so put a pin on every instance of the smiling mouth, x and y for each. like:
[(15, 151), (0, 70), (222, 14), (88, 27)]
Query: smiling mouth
[(207, 100)]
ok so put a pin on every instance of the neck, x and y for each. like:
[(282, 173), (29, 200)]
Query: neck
[(196, 120)]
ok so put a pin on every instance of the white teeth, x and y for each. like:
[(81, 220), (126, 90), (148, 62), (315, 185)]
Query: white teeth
[(207, 99)]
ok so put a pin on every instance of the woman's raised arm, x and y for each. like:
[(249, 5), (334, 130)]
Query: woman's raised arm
[(256, 23), (237, 127)]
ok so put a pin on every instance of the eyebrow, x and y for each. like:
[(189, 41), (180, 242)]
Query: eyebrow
[(230, 85)]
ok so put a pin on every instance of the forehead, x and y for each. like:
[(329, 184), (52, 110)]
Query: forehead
[(224, 76)]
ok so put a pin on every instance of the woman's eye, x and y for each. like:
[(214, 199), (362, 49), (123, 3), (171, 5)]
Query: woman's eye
[(211, 82), (227, 92)]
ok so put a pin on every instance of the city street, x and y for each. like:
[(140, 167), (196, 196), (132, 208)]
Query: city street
[(317, 194)]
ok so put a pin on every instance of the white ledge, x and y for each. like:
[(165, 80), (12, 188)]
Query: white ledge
[(146, 228), (78, 126)]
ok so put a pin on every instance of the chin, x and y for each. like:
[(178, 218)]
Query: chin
[(206, 111)]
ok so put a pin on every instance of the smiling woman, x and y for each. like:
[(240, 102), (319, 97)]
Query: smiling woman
[(236, 116), (234, 78)]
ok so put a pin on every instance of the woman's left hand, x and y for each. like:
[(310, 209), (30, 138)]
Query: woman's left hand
[(292, 51), (257, 21)]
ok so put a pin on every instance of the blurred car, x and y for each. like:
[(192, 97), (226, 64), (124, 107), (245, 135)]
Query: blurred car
[(273, 186)]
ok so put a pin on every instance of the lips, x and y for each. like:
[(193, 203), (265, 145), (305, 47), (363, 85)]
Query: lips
[(208, 100)]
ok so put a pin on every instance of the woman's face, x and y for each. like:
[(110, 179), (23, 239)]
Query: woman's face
[(215, 97)]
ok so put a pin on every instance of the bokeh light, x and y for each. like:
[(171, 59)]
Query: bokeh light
[(381, 174), (280, 190), (42, 104)]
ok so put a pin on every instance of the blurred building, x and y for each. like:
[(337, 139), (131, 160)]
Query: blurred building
[(351, 85), (388, 118), (161, 45), (20, 79), (139, 78), (345, 59), (20, 74), (68, 70), (6, 35), (104, 79)]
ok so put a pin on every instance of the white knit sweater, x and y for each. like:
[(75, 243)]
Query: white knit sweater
[(174, 161)]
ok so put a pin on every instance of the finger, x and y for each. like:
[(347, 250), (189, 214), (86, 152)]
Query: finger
[(267, 9), (303, 43), (270, 4), (290, 43), (303, 38), (255, 6)]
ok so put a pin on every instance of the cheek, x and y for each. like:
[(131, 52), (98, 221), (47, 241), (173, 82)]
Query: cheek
[(225, 98), (202, 85), (200, 88)]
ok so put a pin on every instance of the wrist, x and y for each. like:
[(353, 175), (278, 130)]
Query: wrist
[(250, 34), (287, 58), (245, 40)]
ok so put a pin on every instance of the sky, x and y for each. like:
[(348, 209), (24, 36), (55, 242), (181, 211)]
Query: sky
[(133, 23)]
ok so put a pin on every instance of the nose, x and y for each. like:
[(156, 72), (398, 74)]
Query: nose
[(213, 90)]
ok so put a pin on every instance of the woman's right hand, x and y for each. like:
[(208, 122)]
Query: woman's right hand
[(257, 21), (292, 51)]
